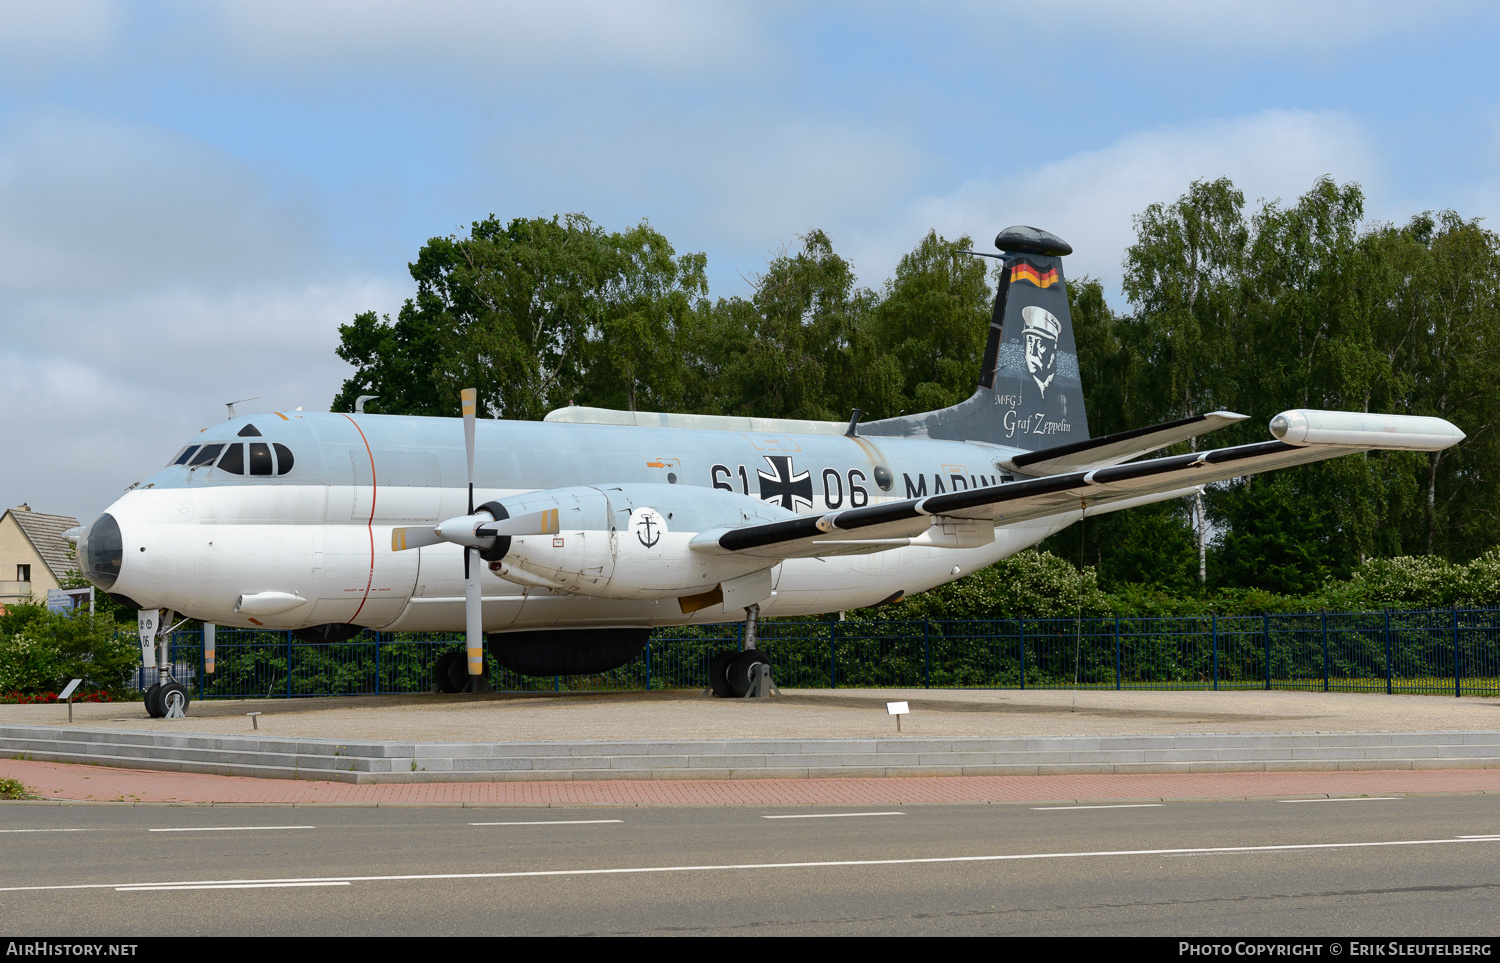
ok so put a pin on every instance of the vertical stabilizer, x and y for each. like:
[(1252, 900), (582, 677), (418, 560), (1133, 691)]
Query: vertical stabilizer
[(1029, 394)]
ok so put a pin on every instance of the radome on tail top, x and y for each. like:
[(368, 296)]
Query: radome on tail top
[(562, 543)]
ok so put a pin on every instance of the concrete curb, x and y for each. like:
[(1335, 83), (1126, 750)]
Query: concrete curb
[(368, 762)]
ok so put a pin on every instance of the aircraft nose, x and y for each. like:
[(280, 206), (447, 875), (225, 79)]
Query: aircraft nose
[(102, 551)]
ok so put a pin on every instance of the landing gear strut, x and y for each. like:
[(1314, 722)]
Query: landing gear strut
[(744, 674), (166, 698)]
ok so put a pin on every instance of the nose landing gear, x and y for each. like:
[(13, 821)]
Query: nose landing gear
[(743, 675), (167, 698)]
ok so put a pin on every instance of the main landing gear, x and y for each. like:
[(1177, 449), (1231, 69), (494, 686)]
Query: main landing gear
[(451, 674), (166, 698), (746, 674)]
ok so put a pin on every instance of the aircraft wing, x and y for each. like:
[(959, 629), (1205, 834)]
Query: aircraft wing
[(1305, 436), (1120, 447)]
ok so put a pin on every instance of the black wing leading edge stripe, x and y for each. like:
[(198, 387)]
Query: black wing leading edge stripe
[(759, 536), (1047, 454)]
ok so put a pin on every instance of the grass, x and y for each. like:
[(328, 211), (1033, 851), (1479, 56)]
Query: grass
[(13, 789)]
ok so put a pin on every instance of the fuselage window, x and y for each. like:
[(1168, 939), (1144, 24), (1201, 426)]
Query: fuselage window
[(185, 454), (206, 455), (284, 458), (260, 458), (233, 460)]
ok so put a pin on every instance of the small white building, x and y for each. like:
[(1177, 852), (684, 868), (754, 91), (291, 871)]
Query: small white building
[(34, 556)]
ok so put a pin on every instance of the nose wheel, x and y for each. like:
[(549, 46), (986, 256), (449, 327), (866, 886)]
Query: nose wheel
[(167, 700)]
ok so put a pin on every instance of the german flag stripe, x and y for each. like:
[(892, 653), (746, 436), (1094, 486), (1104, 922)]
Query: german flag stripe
[(1024, 271)]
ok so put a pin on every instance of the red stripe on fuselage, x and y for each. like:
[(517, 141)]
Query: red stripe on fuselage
[(371, 524)]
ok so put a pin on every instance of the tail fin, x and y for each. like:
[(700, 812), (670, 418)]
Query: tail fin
[(1029, 393)]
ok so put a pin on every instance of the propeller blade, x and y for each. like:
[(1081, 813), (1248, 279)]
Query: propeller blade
[(471, 404), (473, 616), (414, 537), (536, 523)]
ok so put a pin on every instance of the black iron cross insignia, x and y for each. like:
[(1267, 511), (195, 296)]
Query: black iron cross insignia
[(791, 490)]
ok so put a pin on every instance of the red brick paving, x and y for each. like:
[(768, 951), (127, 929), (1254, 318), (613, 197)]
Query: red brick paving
[(74, 782)]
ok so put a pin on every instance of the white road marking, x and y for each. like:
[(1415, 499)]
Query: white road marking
[(224, 829), (554, 822), (829, 815), (181, 886), (1043, 809), (1487, 836), (91, 830), (1342, 799), (722, 867)]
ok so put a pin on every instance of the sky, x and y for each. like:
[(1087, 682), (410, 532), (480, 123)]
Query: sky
[(194, 196)]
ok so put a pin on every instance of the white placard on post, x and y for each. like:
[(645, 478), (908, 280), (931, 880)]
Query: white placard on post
[(897, 709), (69, 690)]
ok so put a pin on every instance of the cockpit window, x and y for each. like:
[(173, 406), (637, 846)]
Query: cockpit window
[(249, 431), (206, 455), (260, 458), (284, 458), (184, 455), (233, 460)]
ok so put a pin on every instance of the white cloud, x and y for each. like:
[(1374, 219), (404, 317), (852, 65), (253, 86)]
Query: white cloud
[(1189, 27), (89, 204), (98, 394), (1090, 198), (741, 184), (476, 37), (36, 37)]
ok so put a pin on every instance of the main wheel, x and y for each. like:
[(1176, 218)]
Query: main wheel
[(173, 695), (458, 674), (442, 671), (718, 674), (153, 701), (740, 669)]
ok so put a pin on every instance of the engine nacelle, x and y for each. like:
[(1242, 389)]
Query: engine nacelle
[(630, 541)]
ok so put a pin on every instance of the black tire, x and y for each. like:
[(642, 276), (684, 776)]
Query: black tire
[(718, 674), (170, 693), (458, 674), (153, 706), (442, 671), (739, 672)]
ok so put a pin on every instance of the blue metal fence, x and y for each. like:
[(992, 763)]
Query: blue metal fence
[(1445, 651)]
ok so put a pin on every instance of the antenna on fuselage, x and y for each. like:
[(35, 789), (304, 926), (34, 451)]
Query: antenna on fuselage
[(230, 404), (359, 403)]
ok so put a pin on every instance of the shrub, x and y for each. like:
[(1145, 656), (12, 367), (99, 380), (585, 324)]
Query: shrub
[(42, 651)]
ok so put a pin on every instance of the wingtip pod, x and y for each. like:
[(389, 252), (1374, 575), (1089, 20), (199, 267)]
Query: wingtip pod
[(1353, 429)]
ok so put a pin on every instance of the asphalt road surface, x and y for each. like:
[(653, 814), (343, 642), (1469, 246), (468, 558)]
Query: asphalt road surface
[(1426, 866)]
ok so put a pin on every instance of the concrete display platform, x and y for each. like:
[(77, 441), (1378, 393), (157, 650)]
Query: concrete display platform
[(804, 733)]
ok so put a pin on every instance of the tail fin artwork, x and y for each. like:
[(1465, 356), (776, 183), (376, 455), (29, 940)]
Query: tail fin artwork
[(1029, 394)]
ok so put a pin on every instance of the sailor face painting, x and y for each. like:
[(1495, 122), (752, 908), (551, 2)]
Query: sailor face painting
[(1042, 329)]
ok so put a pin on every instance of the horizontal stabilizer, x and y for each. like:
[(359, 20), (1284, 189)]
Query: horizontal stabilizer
[(1117, 448)]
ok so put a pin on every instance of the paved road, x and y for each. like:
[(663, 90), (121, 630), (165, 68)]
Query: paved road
[(1332, 867)]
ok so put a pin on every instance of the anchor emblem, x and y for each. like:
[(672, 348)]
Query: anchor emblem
[(648, 526)]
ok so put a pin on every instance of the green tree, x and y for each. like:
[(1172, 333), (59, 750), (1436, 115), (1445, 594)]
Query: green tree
[(536, 313)]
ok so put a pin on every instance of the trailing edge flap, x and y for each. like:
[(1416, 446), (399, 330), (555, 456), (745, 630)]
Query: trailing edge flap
[(1121, 447), (894, 522)]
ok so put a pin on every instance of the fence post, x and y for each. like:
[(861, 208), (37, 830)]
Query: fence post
[(648, 663), (1214, 628), (833, 634), (377, 663), (1117, 653), (288, 664), (1265, 631), (1325, 650), (1021, 634), (1456, 665), (1388, 669), (926, 654)]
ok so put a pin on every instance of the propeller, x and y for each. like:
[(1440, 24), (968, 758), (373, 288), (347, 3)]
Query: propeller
[(475, 532), (473, 612)]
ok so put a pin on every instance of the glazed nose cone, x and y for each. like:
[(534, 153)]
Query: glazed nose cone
[(101, 551)]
